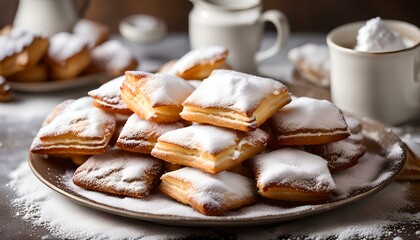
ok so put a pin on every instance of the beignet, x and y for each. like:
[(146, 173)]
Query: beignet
[(308, 121), (119, 172), (289, 174), (209, 194), (75, 127), (235, 100), (155, 97), (209, 148), (107, 97), (139, 135)]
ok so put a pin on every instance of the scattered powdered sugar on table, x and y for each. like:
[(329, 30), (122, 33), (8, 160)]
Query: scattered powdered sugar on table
[(41, 206)]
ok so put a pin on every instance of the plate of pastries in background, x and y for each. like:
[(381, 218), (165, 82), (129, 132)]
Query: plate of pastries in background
[(198, 144), (34, 63)]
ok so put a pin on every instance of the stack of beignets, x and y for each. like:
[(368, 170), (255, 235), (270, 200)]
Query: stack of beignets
[(207, 139), (29, 57), (235, 100), (21, 51)]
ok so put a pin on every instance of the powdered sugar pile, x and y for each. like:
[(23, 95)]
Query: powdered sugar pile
[(69, 220)]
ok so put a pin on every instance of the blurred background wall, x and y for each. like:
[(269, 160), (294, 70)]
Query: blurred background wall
[(303, 15)]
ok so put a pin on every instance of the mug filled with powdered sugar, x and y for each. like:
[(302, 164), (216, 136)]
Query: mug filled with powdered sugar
[(375, 69)]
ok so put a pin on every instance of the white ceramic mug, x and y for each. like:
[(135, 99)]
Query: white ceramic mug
[(48, 16), (385, 85), (237, 25)]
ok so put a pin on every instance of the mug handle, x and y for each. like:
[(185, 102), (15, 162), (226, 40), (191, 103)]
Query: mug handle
[(282, 26)]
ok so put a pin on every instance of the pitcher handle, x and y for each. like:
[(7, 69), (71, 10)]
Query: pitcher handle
[(282, 26), (82, 9)]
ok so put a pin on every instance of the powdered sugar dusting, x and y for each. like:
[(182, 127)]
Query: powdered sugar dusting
[(161, 89), (80, 117), (233, 90), (110, 92), (309, 113), (93, 31), (135, 127), (198, 56), (294, 168), (112, 55), (314, 56), (216, 190), (205, 138), (119, 170), (394, 151), (65, 45), (14, 42)]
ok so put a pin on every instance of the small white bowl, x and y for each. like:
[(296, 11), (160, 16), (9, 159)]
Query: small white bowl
[(142, 28)]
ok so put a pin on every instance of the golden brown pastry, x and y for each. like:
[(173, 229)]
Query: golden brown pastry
[(289, 174), (20, 49), (209, 148), (95, 32), (119, 172), (198, 63), (75, 127), (112, 57), (312, 63), (209, 194), (340, 155), (37, 73), (108, 97), (139, 135), (67, 56), (235, 100), (155, 97), (308, 121)]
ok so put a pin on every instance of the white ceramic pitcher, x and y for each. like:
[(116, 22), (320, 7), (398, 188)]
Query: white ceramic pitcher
[(48, 16), (237, 25)]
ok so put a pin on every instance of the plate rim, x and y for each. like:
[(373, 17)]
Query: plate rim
[(175, 220), (59, 85)]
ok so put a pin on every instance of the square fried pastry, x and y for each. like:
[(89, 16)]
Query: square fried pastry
[(289, 174), (209, 194), (209, 148), (67, 56), (75, 127), (312, 62), (139, 135), (107, 97), (119, 172), (155, 97), (20, 50), (112, 57), (308, 121), (339, 155), (198, 63), (235, 100)]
